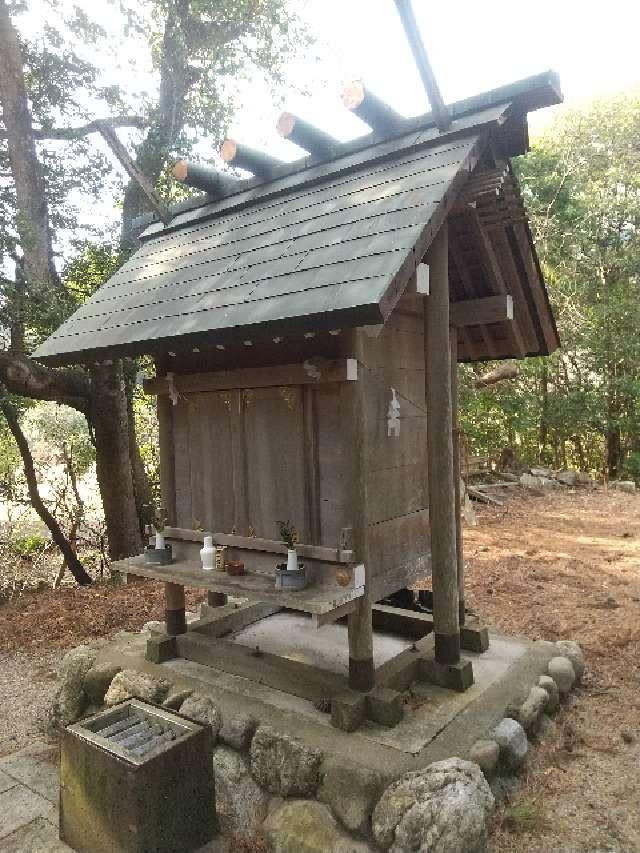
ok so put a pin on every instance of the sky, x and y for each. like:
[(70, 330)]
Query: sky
[(473, 47)]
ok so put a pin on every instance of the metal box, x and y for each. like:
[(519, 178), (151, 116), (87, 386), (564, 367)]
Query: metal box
[(136, 779)]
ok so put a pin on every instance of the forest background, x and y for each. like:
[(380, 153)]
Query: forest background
[(81, 447)]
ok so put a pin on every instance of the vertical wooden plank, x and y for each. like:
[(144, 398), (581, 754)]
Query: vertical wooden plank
[(456, 471), (311, 463), (331, 461), (440, 456), (274, 442), (167, 457), (182, 465), (198, 451), (216, 462), (239, 461)]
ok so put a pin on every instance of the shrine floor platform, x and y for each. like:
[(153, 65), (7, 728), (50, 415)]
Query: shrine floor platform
[(437, 723)]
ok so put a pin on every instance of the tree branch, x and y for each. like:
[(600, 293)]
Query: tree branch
[(75, 566), (26, 377), (506, 370), (70, 134)]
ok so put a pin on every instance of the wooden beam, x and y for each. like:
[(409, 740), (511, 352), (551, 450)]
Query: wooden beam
[(440, 456), (465, 279), (307, 136), (310, 372), (257, 162), (205, 178), (111, 138), (289, 676), (371, 109), (480, 312), (255, 543), (321, 619), (441, 113), (493, 270), (255, 586)]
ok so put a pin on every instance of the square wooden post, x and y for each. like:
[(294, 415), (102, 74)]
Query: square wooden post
[(456, 470), (174, 608), (360, 622), (440, 456)]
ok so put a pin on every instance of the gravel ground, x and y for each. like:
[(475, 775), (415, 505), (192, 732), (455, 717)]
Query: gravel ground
[(27, 686)]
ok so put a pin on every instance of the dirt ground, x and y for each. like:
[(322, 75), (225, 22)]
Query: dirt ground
[(568, 566), (565, 565)]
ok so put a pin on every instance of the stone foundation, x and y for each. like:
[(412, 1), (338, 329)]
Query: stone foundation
[(272, 785)]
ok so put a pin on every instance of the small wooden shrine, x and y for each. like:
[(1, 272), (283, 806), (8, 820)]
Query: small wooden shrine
[(306, 324)]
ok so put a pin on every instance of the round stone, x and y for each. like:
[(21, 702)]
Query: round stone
[(532, 708), (562, 671), (553, 694), (570, 649), (512, 740), (486, 754)]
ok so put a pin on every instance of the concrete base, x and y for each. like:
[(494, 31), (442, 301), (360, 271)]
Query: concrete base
[(436, 722), (454, 676)]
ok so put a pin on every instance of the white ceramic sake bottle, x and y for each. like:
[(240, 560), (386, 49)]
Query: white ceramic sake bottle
[(292, 559), (208, 554)]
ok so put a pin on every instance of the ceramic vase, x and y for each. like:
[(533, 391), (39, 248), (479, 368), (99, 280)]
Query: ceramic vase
[(208, 554), (292, 560)]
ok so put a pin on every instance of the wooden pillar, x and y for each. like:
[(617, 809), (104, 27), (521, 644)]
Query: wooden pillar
[(174, 608), (456, 470), (167, 457), (360, 622), (440, 456)]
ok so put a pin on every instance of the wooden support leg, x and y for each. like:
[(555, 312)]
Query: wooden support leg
[(360, 633), (174, 609), (456, 471), (440, 457)]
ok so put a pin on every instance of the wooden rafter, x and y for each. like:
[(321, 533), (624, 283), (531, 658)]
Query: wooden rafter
[(441, 112), (492, 270)]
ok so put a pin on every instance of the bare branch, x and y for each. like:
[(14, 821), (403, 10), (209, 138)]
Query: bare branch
[(69, 134)]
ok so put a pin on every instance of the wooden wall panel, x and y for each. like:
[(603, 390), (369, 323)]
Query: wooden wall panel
[(211, 463), (334, 514), (396, 475), (275, 466)]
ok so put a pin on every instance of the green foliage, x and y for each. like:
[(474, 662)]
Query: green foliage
[(524, 817), (59, 435), (581, 406), (27, 546), (288, 533)]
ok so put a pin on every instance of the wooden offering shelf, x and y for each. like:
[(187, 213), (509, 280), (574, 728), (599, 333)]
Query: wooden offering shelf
[(316, 599)]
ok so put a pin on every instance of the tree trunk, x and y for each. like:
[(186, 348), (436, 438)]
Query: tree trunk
[(110, 422), (141, 485), (167, 119), (75, 566), (543, 431), (33, 214)]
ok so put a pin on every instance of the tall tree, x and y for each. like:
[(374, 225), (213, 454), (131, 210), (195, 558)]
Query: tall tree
[(196, 46)]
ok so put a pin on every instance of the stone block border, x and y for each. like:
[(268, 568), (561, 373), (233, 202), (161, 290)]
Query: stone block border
[(270, 784)]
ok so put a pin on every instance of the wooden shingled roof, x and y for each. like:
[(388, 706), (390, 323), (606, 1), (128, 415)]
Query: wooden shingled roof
[(334, 244)]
